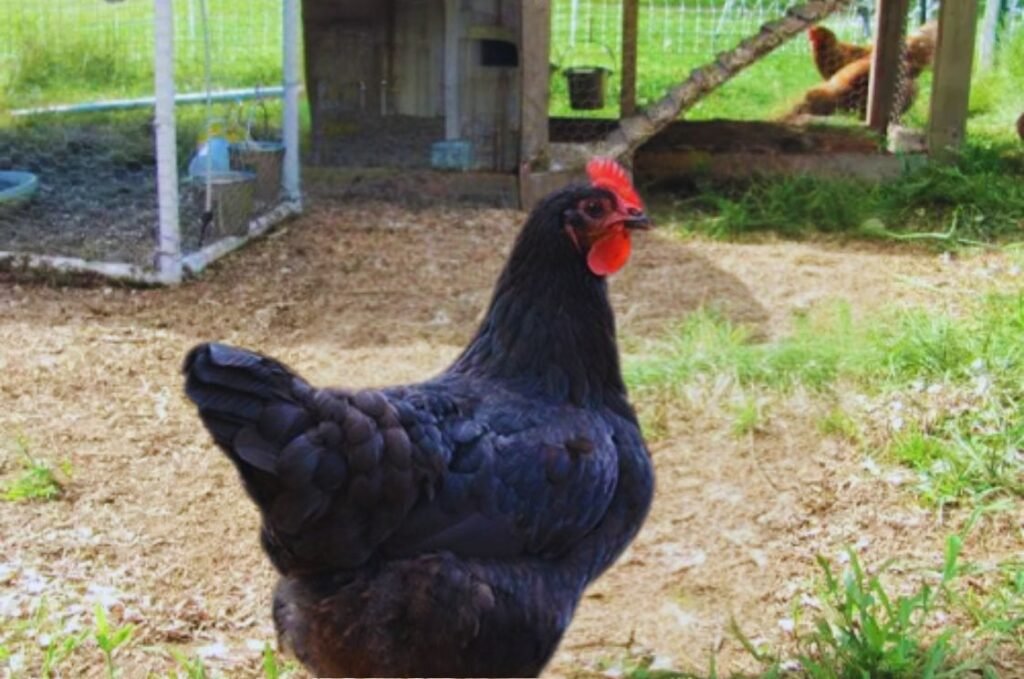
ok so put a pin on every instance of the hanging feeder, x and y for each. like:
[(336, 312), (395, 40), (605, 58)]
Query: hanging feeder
[(588, 83)]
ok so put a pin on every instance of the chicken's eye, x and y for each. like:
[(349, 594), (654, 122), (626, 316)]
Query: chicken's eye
[(593, 208)]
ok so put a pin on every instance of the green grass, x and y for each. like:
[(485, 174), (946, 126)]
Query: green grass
[(863, 627), (866, 630), (105, 49), (46, 648), (38, 480), (978, 199), (960, 380)]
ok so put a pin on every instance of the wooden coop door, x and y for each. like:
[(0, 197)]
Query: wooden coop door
[(347, 72), (418, 69)]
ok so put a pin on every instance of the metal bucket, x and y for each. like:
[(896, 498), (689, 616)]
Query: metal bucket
[(264, 159), (586, 86), (232, 202)]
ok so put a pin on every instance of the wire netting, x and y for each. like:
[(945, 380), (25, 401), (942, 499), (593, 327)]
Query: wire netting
[(676, 36), (76, 110), (378, 90)]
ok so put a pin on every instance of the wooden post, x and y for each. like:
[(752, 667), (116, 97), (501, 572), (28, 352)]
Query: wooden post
[(535, 70), (890, 22), (630, 25), (535, 95), (951, 88), (452, 40)]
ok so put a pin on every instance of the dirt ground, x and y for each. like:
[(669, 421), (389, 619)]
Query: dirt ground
[(155, 525)]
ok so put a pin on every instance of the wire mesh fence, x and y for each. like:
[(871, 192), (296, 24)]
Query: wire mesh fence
[(76, 110), (676, 36)]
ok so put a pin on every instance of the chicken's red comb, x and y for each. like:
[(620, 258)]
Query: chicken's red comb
[(607, 174)]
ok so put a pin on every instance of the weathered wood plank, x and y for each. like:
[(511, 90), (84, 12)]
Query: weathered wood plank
[(890, 25), (452, 39), (535, 71), (951, 88)]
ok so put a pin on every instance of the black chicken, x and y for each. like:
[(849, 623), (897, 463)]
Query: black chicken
[(449, 528)]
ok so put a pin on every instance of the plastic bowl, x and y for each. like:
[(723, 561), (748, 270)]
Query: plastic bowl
[(16, 187)]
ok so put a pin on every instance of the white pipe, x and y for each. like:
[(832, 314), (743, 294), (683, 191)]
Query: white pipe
[(22, 262), (258, 92), (196, 262), (169, 246), (574, 11), (291, 179)]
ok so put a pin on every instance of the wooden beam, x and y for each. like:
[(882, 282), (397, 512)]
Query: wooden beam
[(535, 71), (630, 25), (890, 26), (951, 88), (452, 40)]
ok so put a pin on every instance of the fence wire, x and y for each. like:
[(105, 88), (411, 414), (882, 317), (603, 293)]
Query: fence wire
[(67, 68), (676, 36)]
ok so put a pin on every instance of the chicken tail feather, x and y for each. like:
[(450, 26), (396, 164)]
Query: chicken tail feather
[(250, 405)]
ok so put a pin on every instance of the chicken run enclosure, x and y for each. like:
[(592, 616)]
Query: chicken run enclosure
[(142, 138)]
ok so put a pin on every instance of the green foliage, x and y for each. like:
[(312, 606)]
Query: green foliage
[(274, 667), (109, 52), (748, 417), (60, 650), (38, 480), (979, 198), (836, 422), (109, 638), (867, 630), (996, 96), (966, 449), (194, 667)]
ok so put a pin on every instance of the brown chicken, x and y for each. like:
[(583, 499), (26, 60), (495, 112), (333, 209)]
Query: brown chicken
[(846, 90), (921, 49), (1020, 126), (831, 54)]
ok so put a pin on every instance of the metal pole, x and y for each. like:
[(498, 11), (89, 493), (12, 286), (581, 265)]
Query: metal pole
[(169, 246), (292, 86)]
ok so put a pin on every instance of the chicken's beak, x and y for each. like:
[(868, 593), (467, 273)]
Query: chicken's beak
[(635, 219)]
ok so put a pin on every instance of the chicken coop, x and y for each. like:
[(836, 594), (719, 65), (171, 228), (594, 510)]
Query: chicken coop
[(142, 139), (527, 90), (155, 135)]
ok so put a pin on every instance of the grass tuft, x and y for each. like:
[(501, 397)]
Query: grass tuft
[(946, 392), (978, 199), (38, 480)]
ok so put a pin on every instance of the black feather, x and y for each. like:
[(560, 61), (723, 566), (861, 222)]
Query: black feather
[(255, 450)]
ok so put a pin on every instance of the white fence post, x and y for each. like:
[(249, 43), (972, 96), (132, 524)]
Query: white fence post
[(292, 85), (989, 35), (169, 246)]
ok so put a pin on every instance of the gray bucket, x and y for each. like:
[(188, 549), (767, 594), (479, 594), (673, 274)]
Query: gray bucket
[(264, 159), (232, 202)]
